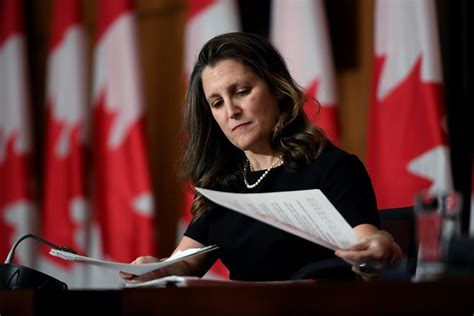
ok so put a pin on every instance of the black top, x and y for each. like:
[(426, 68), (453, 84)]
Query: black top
[(254, 251)]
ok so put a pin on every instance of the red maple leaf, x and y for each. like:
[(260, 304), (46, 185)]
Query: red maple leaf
[(404, 125), (122, 176)]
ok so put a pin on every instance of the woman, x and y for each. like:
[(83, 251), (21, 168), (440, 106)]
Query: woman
[(248, 133)]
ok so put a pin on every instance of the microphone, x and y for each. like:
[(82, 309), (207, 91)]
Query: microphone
[(9, 258), (13, 276)]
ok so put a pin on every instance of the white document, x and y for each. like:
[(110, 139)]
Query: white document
[(306, 213), (135, 269), (174, 280), (191, 281)]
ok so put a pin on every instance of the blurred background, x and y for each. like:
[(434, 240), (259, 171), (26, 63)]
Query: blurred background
[(161, 27)]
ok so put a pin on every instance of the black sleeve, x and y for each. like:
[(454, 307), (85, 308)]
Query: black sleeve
[(199, 230), (347, 185)]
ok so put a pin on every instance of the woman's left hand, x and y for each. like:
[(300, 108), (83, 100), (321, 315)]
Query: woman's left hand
[(376, 250)]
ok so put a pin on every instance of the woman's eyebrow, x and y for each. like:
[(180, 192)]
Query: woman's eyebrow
[(232, 87)]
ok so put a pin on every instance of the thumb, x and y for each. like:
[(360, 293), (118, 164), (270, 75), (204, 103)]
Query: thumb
[(360, 245), (144, 259)]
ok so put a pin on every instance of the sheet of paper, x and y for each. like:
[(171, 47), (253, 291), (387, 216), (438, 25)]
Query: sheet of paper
[(191, 281), (306, 213), (175, 280), (136, 269)]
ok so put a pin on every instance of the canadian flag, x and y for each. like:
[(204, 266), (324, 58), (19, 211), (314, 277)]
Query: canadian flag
[(65, 211), (123, 202), (206, 19), (299, 30), (17, 213), (408, 148)]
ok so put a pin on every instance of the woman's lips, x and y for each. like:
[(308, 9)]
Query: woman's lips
[(240, 125)]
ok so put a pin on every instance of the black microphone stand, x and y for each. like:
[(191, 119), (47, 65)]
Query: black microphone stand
[(14, 276)]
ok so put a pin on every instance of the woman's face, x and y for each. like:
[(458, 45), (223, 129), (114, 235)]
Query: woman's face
[(242, 104)]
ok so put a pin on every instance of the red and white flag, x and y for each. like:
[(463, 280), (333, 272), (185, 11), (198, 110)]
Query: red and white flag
[(206, 19), (408, 149), (17, 214), (123, 202), (65, 210), (299, 29)]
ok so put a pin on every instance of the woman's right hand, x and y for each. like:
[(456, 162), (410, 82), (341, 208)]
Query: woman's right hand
[(194, 266), (145, 277)]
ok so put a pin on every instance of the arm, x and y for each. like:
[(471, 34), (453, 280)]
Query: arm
[(193, 266), (375, 246)]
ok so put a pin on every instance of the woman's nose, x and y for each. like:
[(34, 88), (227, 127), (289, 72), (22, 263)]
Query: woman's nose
[(233, 110)]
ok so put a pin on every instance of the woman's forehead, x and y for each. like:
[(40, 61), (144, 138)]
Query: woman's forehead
[(227, 72)]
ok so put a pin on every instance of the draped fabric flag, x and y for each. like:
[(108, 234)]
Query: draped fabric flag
[(17, 213), (206, 19), (408, 148), (65, 212), (299, 30), (123, 202)]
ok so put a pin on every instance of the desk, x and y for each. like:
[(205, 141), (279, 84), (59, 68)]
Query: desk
[(448, 297)]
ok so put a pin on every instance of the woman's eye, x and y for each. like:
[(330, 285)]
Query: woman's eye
[(216, 103), (243, 91)]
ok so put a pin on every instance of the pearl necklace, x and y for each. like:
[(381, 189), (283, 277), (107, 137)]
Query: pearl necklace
[(277, 162)]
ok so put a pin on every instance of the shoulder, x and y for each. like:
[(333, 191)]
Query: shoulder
[(334, 157), (331, 167), (346, 183), (337, 169)]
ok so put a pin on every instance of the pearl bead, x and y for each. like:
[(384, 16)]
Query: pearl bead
[(251, 186)]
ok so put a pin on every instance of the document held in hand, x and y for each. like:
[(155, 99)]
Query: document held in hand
[(135, 269), (306, 213)]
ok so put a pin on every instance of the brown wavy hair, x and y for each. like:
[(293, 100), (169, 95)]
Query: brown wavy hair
[(209, 159)]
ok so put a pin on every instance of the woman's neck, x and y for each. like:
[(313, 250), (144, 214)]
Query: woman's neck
[(263, 161)]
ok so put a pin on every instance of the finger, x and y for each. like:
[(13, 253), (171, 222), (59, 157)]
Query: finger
[(146, 277), (365, 276), (359, 246), (126, 276), (348, 254), (140, 260), (144, 259), (353, 255)]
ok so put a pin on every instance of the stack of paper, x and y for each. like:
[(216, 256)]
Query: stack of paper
[(135, 269), (306, 213)]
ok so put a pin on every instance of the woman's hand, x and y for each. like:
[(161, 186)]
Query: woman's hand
[(145, 277), (375, 250), (193, 266)]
